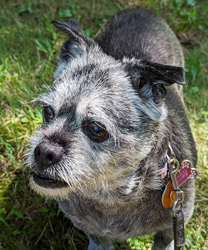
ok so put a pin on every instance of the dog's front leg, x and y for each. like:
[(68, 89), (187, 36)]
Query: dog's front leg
[(163, 240), (96, 243)]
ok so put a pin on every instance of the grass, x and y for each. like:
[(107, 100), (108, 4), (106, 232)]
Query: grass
[(29, 47)]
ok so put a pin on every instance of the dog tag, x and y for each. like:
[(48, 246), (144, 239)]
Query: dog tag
[(186, 172), (166, 201)]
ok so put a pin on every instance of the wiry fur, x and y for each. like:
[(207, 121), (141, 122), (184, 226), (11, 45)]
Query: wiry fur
[(120, 80)]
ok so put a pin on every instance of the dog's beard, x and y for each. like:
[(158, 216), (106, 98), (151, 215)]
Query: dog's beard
[(50, 182), (62, 193), (59, 180), (76, 179)]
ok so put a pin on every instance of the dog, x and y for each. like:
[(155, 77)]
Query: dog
[(115, 106)]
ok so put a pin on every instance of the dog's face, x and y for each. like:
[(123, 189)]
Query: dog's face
[(101, 118)]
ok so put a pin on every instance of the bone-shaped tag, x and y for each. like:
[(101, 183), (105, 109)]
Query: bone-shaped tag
[(186, 172)]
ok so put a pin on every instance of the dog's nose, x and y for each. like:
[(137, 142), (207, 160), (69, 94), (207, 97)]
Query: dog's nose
[(47, 153)]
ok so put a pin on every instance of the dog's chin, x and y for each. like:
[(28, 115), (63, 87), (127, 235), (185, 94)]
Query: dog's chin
[(49, 188), (45, 181)]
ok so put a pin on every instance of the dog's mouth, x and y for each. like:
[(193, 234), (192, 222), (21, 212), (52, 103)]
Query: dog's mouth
[(45, 181)]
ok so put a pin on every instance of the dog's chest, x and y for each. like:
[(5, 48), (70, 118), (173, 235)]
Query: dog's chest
[(117, 222)]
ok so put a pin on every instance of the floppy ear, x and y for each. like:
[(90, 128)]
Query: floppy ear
[(149, 80), (78, 42)]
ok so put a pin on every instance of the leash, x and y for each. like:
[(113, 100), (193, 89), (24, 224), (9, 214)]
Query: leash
[(173, 196)]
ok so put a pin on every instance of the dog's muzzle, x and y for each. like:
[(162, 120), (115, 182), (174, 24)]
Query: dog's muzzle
[(46, 155)]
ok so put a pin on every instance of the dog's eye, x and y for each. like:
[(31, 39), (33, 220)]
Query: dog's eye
[(96, 132), (48, 113)]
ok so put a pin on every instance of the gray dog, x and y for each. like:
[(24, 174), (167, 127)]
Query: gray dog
[(109, 118)]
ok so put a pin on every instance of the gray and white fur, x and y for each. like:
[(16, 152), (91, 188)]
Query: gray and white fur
[(115, 105)]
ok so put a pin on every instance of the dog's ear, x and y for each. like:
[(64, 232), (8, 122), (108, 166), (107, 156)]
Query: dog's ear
[(78, 42), (149, 80)]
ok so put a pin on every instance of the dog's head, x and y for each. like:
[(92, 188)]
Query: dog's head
[(101, 118)]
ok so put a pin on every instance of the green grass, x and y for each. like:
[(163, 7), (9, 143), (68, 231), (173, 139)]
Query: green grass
[(28, 48)]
